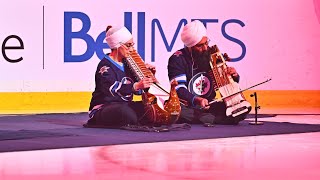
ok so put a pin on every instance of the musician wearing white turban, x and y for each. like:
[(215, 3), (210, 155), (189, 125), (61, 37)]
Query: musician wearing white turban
[(189, 66), (194, 33), (112, 102)]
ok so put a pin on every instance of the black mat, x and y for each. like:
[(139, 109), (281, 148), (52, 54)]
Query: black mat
[(28, 134), (51, 131)]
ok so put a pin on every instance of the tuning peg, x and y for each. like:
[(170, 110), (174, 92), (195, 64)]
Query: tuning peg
[(226, 57)]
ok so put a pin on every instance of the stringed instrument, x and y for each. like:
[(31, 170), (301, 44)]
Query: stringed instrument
[(172, 105), (155, 114), (225, 85)]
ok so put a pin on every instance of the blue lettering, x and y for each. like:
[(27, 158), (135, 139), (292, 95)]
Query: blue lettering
[(168, 47), (141, 30), (92, 46), (128, 20), (82, 34), (141, 34), (243, 46), (99, 45)]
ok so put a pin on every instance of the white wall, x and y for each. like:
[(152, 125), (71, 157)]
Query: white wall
[(281, 38)]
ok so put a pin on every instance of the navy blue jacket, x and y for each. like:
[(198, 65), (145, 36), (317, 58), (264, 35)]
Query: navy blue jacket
[(193, 79), (114, 83)]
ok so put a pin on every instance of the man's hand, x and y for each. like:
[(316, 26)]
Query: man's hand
[(202, 102), (151, 68), (142, 84), (232, 71)]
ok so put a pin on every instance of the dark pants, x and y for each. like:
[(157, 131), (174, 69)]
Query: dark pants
[(117, 114), (215, 115)]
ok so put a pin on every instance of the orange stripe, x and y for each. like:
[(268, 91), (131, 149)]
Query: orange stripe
[(286, 98), (63, 102)]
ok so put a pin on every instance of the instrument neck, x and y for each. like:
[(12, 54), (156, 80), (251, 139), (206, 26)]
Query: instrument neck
[(219, 69), (138, 66)]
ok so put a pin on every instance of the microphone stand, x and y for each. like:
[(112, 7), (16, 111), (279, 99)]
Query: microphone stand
[(256, 107)]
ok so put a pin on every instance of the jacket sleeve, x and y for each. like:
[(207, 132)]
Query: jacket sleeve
[(177, 70)]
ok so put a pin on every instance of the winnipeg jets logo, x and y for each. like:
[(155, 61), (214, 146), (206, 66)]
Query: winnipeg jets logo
[(200, 85)]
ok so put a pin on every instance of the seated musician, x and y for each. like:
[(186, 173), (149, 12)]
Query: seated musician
[(185, 66), (112, 103)]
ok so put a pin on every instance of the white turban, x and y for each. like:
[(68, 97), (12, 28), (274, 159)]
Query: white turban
[(116, 36), (192, 33)]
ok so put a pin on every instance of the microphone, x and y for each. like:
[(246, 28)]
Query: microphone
[(254, 94)]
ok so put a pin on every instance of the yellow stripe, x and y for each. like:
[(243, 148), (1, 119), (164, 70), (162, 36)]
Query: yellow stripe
[(137, 98), (44, 102), (63, 102)]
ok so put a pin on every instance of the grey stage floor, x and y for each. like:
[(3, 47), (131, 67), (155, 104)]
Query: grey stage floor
[(52, 131)]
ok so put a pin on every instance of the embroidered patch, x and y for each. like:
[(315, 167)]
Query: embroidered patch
[(177, 53), (200, 85), (104, 69)]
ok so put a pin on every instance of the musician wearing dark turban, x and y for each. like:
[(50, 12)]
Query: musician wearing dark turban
[(112, 103), (189, 66)]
